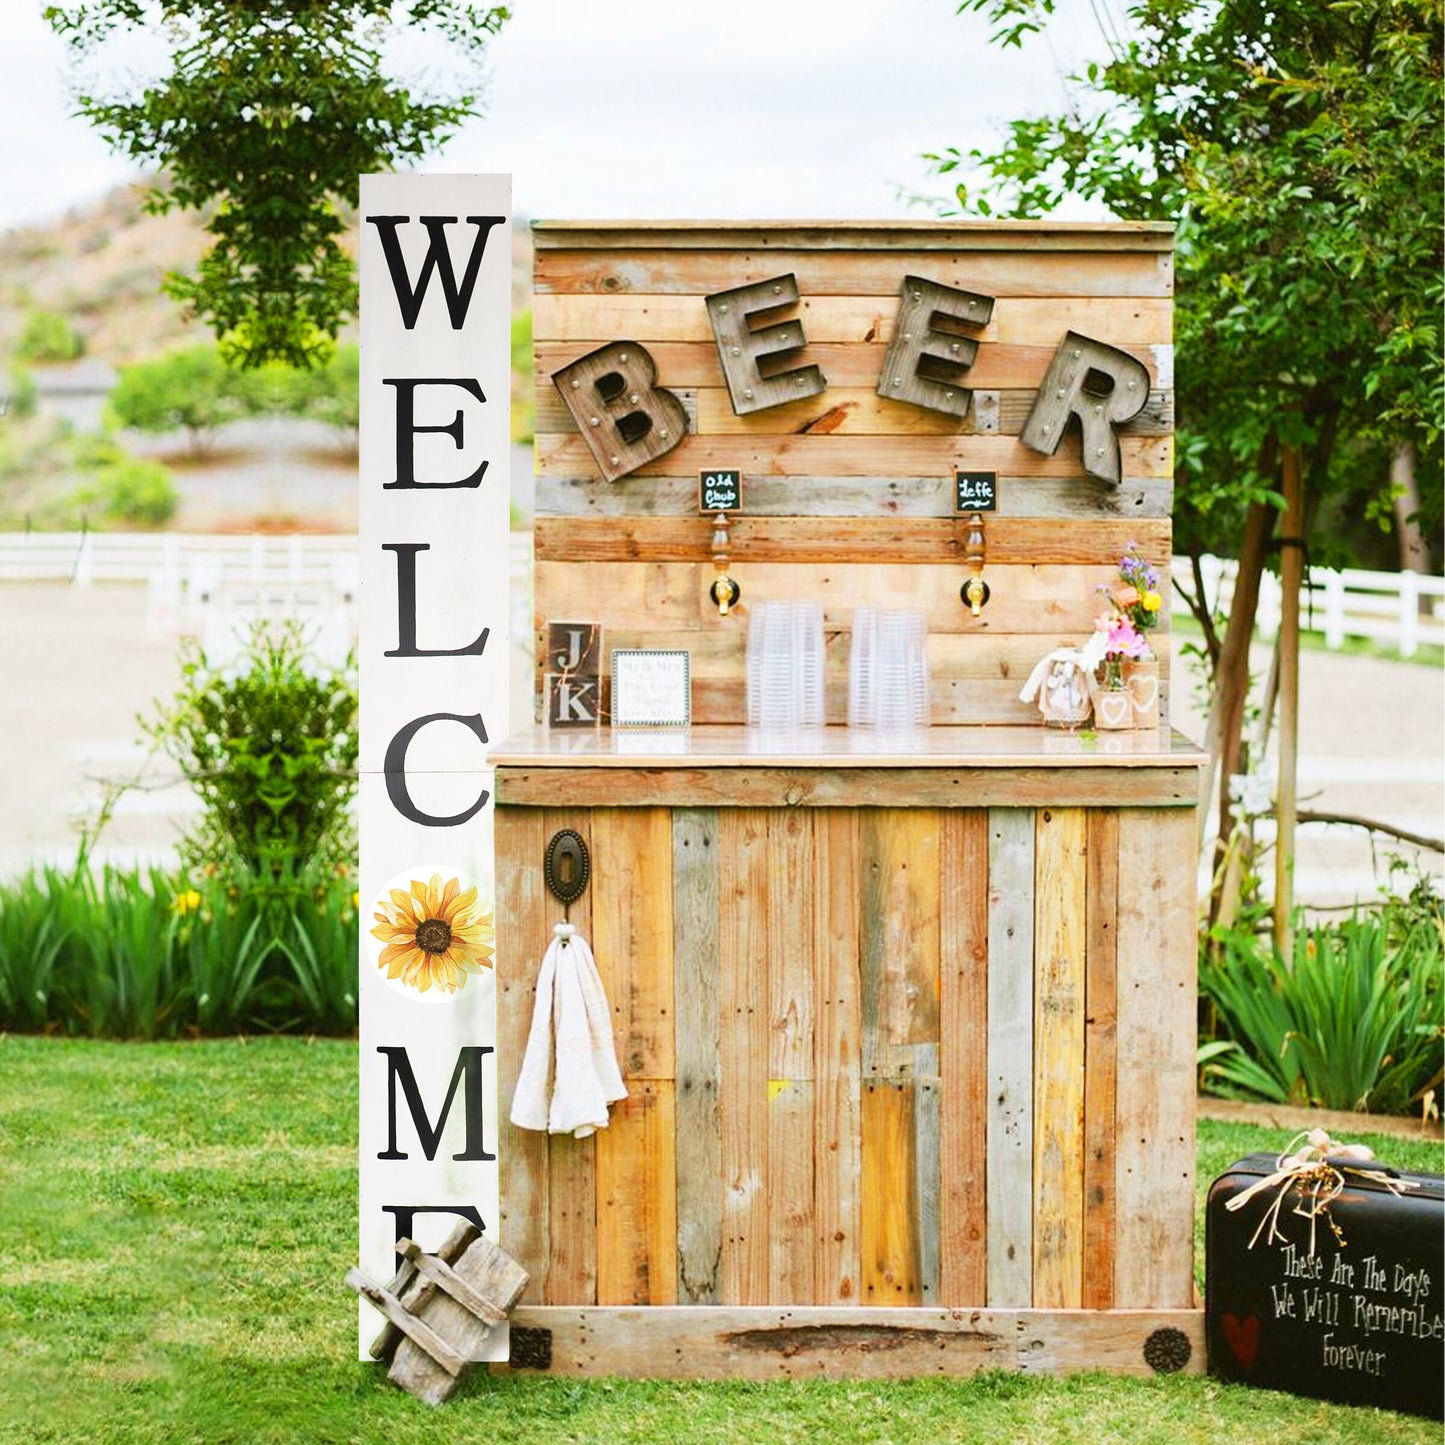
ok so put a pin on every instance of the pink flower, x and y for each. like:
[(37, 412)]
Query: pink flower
[(1126, 641)]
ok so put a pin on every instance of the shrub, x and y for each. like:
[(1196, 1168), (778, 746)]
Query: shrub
[(270, 748), (131, 490), (329, 393), (19, 399), (1351, 1021), (48, 336)]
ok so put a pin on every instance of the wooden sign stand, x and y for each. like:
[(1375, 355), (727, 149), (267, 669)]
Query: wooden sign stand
[(441, 1309)]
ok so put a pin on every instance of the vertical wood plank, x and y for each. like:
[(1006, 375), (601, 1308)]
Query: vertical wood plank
[(899, 940), (1060, 904), (637, 1199), (927, 1171), (1154, 1165), (788, 969), (571, 1163), (837, 1169), (1010, 1056), (699, 1142), (963, 1058), (636, 1155), (744, 889), (1099, 1058), (889, 1212), (632, 924), (789, 1191), (788, 959), (522, 935)]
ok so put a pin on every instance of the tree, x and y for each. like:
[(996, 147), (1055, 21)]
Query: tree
[(329, 393), (1296, 144), (191, 388), (271, 111)]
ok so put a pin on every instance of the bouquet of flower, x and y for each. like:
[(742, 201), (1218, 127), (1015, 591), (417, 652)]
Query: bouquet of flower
[(1132, 608)]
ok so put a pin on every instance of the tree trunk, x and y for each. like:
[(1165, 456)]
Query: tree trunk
[(1223, 733), (1291, 576), (1414, 551)]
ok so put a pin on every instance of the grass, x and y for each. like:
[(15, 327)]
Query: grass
[(178, 1218)]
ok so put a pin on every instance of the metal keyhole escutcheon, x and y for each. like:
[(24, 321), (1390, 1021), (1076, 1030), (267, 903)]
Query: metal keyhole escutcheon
[(567, 866)]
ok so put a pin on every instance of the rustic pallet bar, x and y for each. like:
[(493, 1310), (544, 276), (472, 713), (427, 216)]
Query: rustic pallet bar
[(907, 1025), (902, 1030)]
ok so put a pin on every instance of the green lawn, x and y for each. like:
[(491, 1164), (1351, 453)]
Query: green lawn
[(176, 1221)]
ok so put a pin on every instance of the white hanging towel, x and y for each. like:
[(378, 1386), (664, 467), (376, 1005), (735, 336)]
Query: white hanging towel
[(569, 1072)]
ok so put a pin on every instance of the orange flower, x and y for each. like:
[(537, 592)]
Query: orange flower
[(1127, 595), (434, 935)]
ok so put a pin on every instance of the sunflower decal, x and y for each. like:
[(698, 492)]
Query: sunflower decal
[(435, 934)]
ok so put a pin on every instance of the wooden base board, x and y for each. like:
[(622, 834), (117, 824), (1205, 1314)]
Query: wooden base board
[(779, 1342)]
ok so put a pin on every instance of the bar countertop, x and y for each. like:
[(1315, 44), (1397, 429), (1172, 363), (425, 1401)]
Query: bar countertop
[(715, 746)]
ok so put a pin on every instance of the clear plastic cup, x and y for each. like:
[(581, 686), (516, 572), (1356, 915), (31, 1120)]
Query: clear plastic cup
[(888, 670), (785, 662)]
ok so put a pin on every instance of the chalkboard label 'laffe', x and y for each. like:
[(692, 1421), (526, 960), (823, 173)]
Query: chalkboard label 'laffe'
[(720, 490), (975, 491)]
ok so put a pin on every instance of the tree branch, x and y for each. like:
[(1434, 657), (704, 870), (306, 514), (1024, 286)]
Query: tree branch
[(1353, 820)]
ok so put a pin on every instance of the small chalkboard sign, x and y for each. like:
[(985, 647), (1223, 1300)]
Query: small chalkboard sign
[(720, 490), (975, 491)]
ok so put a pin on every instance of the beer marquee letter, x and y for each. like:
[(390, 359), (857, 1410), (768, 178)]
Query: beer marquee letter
[(435, 392)]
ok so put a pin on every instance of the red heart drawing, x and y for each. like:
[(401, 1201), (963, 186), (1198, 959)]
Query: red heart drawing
[(1243, 1337)]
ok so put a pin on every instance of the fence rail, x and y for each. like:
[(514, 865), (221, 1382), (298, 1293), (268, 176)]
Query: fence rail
[(183, 572), (1404, 610)]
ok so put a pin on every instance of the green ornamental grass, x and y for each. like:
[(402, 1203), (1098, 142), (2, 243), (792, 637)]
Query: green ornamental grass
[(1352, 1020)]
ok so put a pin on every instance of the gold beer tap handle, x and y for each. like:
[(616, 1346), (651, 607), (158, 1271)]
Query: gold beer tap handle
[(974, 592), (724, 590)]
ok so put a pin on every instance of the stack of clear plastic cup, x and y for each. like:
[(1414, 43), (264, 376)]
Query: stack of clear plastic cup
[(888, 670), (785, 665)]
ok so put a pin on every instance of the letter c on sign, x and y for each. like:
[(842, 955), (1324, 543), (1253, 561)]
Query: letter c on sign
[(395, 769)]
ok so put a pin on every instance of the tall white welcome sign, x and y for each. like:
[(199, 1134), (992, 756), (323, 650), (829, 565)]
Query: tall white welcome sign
[(435, 271)]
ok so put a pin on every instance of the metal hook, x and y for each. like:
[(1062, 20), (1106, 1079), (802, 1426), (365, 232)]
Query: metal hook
[(567, 868)]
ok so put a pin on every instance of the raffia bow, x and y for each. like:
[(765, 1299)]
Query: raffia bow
[(1314, 1171)]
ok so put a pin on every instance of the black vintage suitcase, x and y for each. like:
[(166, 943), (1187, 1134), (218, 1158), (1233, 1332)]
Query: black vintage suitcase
[(1361, 1320)]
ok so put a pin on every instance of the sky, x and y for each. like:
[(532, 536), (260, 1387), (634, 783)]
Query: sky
[(650, 109)]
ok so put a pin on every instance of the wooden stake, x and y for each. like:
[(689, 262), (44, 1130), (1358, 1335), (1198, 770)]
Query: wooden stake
[(1291, 575)]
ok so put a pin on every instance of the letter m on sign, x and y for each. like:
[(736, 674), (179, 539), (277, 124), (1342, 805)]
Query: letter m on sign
[(467, 1076), (458, 296)]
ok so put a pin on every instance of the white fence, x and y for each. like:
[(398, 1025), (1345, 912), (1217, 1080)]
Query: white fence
[(190, 576), (1402, 610)]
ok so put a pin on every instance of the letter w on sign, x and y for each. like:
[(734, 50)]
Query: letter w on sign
[(409, 298)]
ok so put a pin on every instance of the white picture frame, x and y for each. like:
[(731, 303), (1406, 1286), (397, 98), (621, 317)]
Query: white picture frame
[(651, 688)]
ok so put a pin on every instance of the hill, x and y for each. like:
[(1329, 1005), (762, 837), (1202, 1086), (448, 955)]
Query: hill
[(101, 267)]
